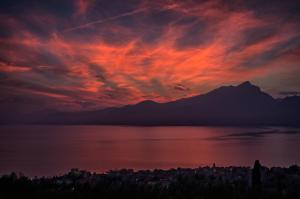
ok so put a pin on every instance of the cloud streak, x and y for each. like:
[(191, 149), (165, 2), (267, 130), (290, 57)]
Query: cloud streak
[(159, 50), (100, 21)]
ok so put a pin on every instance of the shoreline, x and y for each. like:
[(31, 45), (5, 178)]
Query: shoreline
[(105, 172), (136, 171), (213, 182)]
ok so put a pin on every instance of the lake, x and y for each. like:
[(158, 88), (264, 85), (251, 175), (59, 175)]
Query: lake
[(53, 150)]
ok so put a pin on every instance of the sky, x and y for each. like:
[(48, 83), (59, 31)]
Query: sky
[(92, 54)]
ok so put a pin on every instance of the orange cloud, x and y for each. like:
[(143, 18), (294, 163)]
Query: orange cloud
[(145, 52)]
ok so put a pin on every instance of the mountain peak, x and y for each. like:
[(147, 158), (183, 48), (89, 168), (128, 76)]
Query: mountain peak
[(246, 84), (244, 87), (146, 102)]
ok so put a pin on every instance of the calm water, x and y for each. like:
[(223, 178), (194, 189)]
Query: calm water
[(53, 150)]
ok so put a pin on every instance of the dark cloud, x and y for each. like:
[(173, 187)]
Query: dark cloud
[(246, 136), (154, 85), (39, 59), (254, 35), (268, 55), (60, 8), (186, 20), (107, 8), (195, 35), (5, 30), (146, 62), (26, 55), (160, 17), (116, 94), (29, 85), (86, 104), (47, 58), (288, 93), (150, 24), (98, 72), (152, 36), (113, 37), (101, 75), (285, 10), (3, 76), (39, 18), (158, 87)]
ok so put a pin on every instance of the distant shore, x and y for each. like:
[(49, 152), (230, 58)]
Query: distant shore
[(203, 182)]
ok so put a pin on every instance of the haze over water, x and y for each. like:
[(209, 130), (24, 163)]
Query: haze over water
[(53, 150)]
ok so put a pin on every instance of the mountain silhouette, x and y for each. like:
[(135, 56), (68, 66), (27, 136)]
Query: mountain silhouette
[(244, 104)]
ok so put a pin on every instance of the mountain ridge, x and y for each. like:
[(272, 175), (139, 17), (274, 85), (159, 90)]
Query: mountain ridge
[(244, 104)]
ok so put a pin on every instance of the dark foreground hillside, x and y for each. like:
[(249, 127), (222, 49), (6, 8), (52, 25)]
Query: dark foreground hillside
[(204, 182)]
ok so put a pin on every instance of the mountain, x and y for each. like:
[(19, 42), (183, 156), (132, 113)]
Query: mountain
[(244, 104)]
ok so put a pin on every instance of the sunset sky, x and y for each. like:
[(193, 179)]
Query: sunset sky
[(90, 54)]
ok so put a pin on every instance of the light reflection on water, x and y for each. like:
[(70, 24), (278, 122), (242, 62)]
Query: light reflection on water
[(53, 150)]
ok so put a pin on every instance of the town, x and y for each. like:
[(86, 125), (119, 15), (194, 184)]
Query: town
[(202, 182)]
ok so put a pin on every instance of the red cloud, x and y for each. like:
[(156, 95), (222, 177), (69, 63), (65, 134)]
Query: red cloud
[(127, 68)]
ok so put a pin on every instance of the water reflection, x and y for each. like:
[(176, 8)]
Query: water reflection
[(256, 134), (49, 150)]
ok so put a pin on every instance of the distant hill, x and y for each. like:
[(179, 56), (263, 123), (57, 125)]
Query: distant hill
[(244, 104)]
